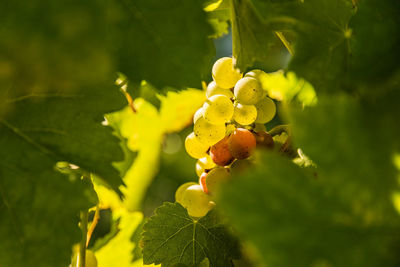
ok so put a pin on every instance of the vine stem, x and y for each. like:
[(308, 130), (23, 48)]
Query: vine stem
[(93, 225), (82, 246)]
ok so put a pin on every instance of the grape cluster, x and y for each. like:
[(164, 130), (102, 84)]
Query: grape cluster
[(227, 129)]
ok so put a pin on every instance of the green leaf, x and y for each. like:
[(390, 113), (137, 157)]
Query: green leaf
[(39, 206), (120, 248), (177, 108), (164, 43), (292, 217), (319, 29), (172, 237), (253, 40)]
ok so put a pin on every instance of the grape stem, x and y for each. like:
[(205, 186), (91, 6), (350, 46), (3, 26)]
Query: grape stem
[(277, 130), (82, 246)]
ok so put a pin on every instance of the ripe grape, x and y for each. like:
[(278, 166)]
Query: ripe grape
[(203, 164), (220, 153), (208, 133), (224, 73), (259, 127), (244, 114), (256, 74), (194, 147), (266, 110), (218, 109), (181, 189), (241, 165), (248, 91), (214, 89), (196, 201), (264, 140), (215, 178), (198, 114), (241, 143)]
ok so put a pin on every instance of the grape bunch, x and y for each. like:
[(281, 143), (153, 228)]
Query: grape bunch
[(227, 129)]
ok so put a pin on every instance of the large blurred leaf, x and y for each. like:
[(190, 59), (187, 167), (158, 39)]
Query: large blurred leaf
[(172, 237), (295, 219), (164, 42), (39, 206)]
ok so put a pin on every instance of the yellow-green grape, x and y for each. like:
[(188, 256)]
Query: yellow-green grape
[(214, 89), (198, 114), (224, 73), (215, 178), (248, 91), (218, 109), (255, 74), (181, 189), (266, 110), (196, 201), (245, 114), (194, 147), (207, 133), (259, 127), (204, 163)]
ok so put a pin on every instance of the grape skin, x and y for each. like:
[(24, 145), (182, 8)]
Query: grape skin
[(207, 133), (198, 114), (181, 189), (224, 73), (215, 178), (220, 153), (214, 89), (266, 110), (244, 114), (204, 163), (196, 201), (248, 91), (218, 109), (194, 147), (241, 143)]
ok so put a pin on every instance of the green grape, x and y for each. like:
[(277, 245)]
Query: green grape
[(248, 91), (245, 114), (255, 74), (230, 128), (204, 163), (194, 147), (198, 114), (214, 89), (215, 178), (208, 133), (218, 109), (224, 73), (266, 110), (259, 127), (196, 201), (181, 189)]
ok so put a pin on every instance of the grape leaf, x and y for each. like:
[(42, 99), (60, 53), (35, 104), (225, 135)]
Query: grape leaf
[(177, 108), (39, 206), (167, 42), (171, 237), (318, 222), (120, 248)]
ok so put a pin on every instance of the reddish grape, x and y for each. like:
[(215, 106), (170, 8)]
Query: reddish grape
[(202, 182), (241, 143), (220, 153), (264, 140)]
